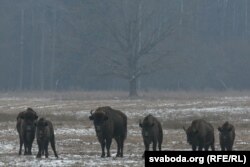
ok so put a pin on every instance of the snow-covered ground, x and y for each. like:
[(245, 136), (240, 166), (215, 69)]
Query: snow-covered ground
[(75, 136)]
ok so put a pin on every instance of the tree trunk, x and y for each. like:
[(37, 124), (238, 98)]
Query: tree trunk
[(42, 49), (181, 17), (246, 19), (32, 77), (133, 88), (52, 67), (21, 51)]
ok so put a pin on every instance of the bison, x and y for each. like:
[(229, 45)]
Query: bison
[(200, 134), (26, 129), (226, 136), (151, 132), (44, 135), (110, 123)]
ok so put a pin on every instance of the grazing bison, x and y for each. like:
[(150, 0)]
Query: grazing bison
[(110, 123), (26, 129), (200, 134), (227, 135), (151, 132), (44, 135)]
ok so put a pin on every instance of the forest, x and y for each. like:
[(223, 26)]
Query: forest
[(130, 45)]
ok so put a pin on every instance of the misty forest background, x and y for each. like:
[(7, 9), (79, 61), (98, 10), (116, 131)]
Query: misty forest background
[(125, 45)]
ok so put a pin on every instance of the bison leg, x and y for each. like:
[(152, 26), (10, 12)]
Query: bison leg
[(212, 147), (222, 147), (118, 150), (40, 150), (52, 143), (122, 144), (25, 148), (194, 147), (159, 145), (21, 145), (119, 146), (29, 148), (200, 148), (230, 148), (46, 150), (154, 145), (146, 145), (103, 148), (108, 144)]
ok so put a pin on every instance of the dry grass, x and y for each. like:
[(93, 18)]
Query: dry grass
[(102, 95), (70, 110)]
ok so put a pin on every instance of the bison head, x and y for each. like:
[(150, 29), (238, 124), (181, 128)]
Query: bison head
[(191, 134), (29, 116), (225, 130), (146, 126), (99, 117), (41, 125)]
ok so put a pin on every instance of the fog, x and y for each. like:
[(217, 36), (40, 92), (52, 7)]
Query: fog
[(125, 45)]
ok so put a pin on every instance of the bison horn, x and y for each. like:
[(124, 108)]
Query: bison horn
[(140, 124), (184, 128), (91, 112)]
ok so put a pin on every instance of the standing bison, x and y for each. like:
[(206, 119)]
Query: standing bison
[(227, 135), (44, 135), (26, 129), (110, 123), (200, 134), (151, 132)]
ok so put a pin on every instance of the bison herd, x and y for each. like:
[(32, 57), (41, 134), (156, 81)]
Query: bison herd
[(28, 127), (110, 123)]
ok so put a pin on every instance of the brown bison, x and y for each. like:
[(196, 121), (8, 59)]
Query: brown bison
[(151, 132), (200, 134), (26, 129), (110, 123), (227, 135), (44, 135)]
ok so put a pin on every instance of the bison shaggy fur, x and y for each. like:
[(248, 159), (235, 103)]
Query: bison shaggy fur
[(110, 123), (26, 129), (44, 136), (151, 132), (200, 134), (226, 136)]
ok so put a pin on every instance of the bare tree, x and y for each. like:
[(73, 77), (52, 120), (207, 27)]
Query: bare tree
[(137, 36), (42, 50), (246, 18), (52, 67), (21, 50)]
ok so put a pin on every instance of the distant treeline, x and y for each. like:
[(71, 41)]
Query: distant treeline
[(62, 44)]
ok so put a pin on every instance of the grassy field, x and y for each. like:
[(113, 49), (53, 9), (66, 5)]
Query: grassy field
[(75, 136)]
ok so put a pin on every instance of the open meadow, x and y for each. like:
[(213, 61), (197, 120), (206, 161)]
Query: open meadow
[(76, 141)]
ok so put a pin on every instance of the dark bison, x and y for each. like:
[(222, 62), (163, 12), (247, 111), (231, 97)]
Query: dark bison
[(151, 132), (110, 123), (44, 135), (200, 134), (26, 129), (227, 135)]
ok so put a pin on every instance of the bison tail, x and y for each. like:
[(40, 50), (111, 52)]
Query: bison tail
[(160, 133), (125, 128)]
